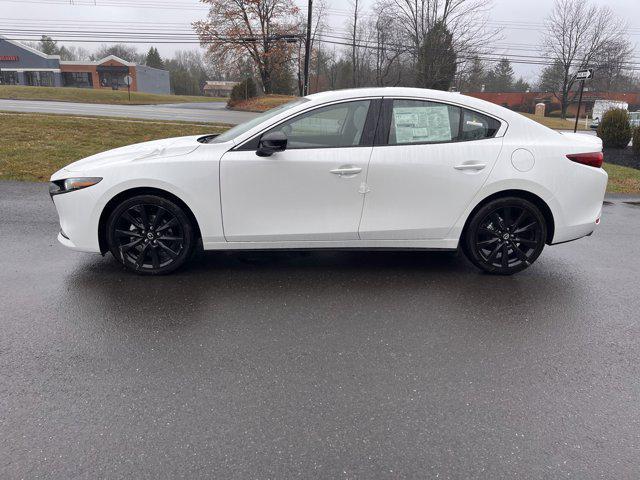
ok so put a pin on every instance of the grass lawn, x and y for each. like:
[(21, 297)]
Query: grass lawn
[(42, 144), (556, 123), (261, 104), (622, 179), (89, 95)]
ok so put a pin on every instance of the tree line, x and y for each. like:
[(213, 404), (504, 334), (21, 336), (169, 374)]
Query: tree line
[(442, 44)]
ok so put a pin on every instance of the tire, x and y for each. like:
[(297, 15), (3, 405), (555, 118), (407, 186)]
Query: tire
[(150, 235), (505, 236)]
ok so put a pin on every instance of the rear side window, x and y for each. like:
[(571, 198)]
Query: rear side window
[(406, 122), (418, 121), (476, 126)]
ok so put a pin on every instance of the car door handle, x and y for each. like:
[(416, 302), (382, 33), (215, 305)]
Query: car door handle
[(346, 170), (470, 166)]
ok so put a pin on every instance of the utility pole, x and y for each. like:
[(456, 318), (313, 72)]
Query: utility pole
[(307, 50), (575, 127), (581, 75), (353, 51)]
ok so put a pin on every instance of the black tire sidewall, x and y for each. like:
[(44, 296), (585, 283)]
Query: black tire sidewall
[(469, 247), (185, 223)]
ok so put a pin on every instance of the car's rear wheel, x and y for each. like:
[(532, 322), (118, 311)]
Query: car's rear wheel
[(150, 235), (505, 236)]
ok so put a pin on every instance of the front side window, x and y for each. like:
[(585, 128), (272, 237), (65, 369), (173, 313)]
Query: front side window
[(339, 125), (418, 121)]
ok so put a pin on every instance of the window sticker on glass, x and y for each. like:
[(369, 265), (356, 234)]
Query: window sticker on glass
[(422, 124)]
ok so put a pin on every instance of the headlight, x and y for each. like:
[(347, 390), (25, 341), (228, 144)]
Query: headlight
[(71, 184)]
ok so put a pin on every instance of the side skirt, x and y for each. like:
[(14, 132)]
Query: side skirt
[(446, 245)]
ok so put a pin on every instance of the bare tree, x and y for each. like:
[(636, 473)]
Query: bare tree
[(264, 30), (577, 34), (389, 52), (466, 20), (612, 67)]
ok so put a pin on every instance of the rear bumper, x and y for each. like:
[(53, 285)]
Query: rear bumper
[(578, 202), (568, 233)]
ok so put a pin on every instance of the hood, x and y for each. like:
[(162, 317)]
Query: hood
[(169, 147)]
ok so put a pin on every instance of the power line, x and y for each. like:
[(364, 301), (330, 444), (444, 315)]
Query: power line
[(157, 35), (633, 66)]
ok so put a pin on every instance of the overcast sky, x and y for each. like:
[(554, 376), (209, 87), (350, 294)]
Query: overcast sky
[(99, 15)]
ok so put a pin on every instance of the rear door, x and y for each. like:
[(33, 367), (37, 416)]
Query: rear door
[(429, 161)]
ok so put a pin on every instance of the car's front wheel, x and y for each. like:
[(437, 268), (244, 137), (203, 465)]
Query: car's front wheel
[(505, 236), (150, 235)]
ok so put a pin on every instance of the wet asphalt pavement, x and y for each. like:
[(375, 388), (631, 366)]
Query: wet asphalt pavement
[(320, 365)]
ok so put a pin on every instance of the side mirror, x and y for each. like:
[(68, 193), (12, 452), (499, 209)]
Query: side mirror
[(271, 143)]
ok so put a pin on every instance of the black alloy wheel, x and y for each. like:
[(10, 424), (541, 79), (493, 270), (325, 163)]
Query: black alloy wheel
[(505, 236), (150, 235)]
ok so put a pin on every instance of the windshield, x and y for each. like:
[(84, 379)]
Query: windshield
[(246, 126)]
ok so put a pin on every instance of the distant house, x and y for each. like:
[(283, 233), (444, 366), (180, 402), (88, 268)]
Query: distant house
[(218, 88), (22, 65)]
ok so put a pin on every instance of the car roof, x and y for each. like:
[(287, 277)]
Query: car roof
[(438, 95)]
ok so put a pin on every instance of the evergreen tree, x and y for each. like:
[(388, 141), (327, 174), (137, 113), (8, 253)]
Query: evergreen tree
[(475, 77), (501, 78), (153, 59), (48, 45), (521, 85), (437, 59), (551, 78)]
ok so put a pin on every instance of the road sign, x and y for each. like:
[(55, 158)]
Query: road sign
[(584, 74)]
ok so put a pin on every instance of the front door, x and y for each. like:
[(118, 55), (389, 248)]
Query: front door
[(312, 191), (434, 159)]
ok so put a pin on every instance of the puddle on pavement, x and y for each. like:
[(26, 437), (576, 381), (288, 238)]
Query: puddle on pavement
[(607, 203), (635, 204)]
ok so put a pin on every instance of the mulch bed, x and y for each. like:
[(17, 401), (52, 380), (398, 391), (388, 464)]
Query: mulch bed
[(622, 156)]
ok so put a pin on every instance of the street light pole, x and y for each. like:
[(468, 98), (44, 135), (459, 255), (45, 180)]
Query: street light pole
[(307, 50)]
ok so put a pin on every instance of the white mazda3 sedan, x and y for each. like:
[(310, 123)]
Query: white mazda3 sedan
[(373, 168)]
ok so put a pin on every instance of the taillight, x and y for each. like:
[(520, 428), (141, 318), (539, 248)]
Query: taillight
[(593, 159)]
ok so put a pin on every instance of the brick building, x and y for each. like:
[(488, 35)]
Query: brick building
[(22, 65)]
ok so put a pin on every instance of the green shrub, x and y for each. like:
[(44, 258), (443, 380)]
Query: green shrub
[(636, 140), (615, 129), (243, 91)]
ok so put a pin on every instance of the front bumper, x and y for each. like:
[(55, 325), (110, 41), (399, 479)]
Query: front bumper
[(79, 219)]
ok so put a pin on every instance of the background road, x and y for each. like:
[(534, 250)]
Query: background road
[(214, 112), (325, 365)]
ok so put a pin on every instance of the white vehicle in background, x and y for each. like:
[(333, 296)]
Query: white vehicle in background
[(634, 119), (371, 168), (600, 107)]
